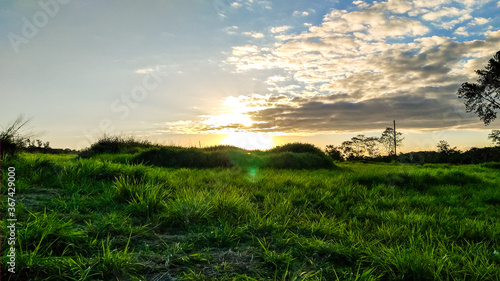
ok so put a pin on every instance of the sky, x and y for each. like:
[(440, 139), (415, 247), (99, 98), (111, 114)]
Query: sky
[(250, 73)]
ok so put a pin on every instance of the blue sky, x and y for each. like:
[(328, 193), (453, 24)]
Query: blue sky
[(180, 72)]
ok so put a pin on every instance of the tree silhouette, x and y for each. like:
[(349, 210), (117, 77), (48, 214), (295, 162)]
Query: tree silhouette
[(387, 140), (334, 152), (495, 137), (445, 148), (483, 97)]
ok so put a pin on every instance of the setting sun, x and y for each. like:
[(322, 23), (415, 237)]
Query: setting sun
[(247, 140)]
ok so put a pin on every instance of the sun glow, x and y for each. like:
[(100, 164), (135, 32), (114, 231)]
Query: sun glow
[(248, 140), (236, 112)]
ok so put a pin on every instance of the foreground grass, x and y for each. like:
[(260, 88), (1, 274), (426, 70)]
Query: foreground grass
[(93, 219)]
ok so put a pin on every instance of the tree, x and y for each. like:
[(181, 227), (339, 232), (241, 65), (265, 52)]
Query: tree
[(444, 148), (347, 150), (495, 137), (483, 97), (391, 141), (334, 152), (358, 147)]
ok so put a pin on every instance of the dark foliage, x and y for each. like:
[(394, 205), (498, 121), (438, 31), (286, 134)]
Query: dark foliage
[(334, 152), (292, 160), (197, 158), (298, 147), (483, 97), (7, 147), (472, 156), (115, 145), (495, 137), (183, 158), (12, 138), (387, 140)]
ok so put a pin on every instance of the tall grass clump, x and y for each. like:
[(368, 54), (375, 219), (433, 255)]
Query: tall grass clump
[(188, 207), (116, 145), (145, 197), (12, 138), (114, 264)]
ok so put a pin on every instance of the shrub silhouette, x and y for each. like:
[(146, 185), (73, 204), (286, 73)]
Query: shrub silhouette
[(293, 160), (173, 157), (298, 147), (12, 139), (183, 158), (115, 145)]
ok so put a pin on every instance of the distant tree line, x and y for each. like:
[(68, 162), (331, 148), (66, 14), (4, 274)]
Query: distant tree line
[(362, 147)]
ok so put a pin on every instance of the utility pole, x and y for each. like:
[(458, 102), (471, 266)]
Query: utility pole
[(395, 140)]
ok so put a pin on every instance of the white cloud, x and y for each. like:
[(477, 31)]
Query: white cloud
[(452, 23), (369, 25), (297, 13), (279, 29), (461, 31), (254, 34), (348, 53), (361, 4), (276, 78), (480, 21), (399, 6), (445, 12), (236, 5), (245, 50), (144, 70), (428, 3), (231, 29)]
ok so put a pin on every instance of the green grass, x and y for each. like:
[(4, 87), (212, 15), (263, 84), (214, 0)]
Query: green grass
[(103, 218)]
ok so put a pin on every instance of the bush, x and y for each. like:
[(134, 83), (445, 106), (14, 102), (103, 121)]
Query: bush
[(298, 147), (172, 157), (115, 145), (183, 158), (292, 160), (11, 138)]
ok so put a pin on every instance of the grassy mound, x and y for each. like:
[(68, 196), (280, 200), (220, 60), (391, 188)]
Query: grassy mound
[(116, 145), (129, 150), (196, 158), (182, 158), (298, 147), (293, 160)]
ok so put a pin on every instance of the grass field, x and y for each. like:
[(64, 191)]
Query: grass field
[(102, 218)]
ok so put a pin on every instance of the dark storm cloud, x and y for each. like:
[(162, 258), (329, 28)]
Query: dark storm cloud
[(412, 111)]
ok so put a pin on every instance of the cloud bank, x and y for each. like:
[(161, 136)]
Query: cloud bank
[(360, 69)]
